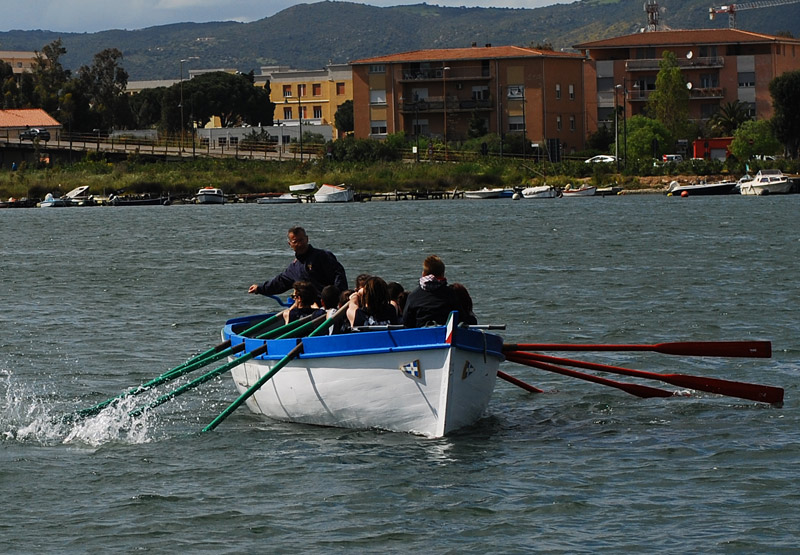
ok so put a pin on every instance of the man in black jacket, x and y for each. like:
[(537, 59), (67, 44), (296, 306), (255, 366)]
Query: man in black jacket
[(317, 266)]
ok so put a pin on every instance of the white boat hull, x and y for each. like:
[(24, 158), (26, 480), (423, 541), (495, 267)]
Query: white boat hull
[(411, 380), (766, 182), (582, 192), (334, 193), (542, 191)]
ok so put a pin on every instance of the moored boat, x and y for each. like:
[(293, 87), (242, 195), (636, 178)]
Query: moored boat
[(541, 191), (303, 187), (334, 193), (53, 202), (767, 182), (428, 381), (496, 192), (210, 195), (702, 188), (277, 198), (582, 191)]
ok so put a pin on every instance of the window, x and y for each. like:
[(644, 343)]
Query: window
[(316, 89), (377, 127), (485, 68), (287, 113), (222, 141), (287, 90), (605, 115), (480, 92), (303, 111), (558, 91), (572, 92), (708, 51), (558, 123), (377, 96), (340, 89), (516, 123), (516, 92), (377, 68), (317, 112), (301, 89), (709, 80), (234, 141), (572, 123), (707, 110), (747, 78), (605, 84)]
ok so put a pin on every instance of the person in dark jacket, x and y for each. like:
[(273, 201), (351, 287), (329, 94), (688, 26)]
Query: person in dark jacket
[(431, 303), (318, 266)]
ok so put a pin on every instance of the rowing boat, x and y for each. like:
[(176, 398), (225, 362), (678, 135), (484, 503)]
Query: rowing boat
[(427, 381)]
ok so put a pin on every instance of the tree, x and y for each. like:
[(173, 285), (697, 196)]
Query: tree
[(643, 134), (105, 82), (669, 102), (754, 138), (49, 76), (785, 91), (477, 126), (728, 118), (343, 118)]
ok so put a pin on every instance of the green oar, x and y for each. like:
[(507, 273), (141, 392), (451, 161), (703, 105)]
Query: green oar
[(274, 370), (222, 369), (206, 357)]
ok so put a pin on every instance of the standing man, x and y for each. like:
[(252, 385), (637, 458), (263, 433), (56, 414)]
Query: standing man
[(317, 266)]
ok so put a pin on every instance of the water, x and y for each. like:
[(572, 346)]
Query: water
[(97, 300)]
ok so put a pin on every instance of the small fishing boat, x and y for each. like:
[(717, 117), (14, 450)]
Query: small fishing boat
[(134, 200), (767, 182), (497, 192), (334, 193), (427, 381), (702, 188), (582, 191), (210, 195), (541, 191), (277, 198), (79, 197), (303, 187), (53, 202)]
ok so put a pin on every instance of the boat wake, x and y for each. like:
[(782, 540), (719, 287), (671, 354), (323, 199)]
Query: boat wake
[(26, 416)]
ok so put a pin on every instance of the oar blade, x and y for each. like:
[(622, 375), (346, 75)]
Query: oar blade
[(742, 390)]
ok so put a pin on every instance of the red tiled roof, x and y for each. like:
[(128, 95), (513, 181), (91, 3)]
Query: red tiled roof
[(31, 117), (472, 53), (684, 37)]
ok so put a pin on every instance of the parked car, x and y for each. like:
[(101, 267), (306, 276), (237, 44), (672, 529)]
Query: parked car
[(603, 158), (34, 133), (672, 158)]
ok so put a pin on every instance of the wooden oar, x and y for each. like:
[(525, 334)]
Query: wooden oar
[(198, 361), (274, 370), (634, 389), (518, 383), (742, 390), (217, 371), (754, 349)]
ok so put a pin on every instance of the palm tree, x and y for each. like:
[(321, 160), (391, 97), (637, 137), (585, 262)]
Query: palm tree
[(729, 117)]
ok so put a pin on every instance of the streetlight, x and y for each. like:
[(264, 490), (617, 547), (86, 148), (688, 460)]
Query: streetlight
[(616, 125), (181, 104), (299, 119), (444, 107)]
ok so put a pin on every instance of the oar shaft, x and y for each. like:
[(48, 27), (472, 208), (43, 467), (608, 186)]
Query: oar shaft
[(518, 383), (742, 390), (634, 389), (753, 349)]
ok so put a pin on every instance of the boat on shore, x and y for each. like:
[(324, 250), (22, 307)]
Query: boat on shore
[(334, 193), (115, 200), (582, 191), (51, 201), (496, 192), (427, 381), (767, 182), (278, 198), (541, 191), (702, 188), (303, 187), (210, 195)]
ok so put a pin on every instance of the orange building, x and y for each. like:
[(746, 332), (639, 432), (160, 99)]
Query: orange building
[(437, 93), (719, 65)]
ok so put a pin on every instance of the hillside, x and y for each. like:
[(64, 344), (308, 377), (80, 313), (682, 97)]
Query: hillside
[(312, 35)]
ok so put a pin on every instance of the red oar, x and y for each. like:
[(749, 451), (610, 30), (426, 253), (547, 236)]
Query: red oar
[(634, 389), (518, 383), (742, 390), (754, 349)]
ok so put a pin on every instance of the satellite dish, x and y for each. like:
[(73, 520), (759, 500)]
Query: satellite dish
[(689, 55), (689, 85)]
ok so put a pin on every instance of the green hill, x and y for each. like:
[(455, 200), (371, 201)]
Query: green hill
[(313, 35)]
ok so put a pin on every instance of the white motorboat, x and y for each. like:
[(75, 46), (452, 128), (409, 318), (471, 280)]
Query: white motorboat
[(303, 187), (210, 195), (541, 191), (334, 193), (496, 192), (53, 202), (285, 198), (427, 381), (582, 191), (702, 188), (767, 182)]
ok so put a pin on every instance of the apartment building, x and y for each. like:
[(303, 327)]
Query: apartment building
[(437, 93), (719, 65), (20, 62), (313, 95)]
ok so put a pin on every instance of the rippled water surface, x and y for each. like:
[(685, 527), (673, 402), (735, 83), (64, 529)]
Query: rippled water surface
[(98, 300)]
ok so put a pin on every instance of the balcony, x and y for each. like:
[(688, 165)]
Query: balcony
[(707, 92), (683, 63), (437, 104), (439, 74)]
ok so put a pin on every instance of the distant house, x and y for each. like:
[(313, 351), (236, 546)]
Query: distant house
[(20, 62), (13, 122)]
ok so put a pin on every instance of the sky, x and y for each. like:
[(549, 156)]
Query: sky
[(89, 16)]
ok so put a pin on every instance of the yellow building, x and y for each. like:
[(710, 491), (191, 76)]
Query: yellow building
[(313, 95), (20, 62)]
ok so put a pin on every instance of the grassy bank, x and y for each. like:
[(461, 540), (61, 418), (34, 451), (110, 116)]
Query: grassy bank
[(247, 176)]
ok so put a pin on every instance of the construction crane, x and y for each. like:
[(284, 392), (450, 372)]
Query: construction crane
[(731, 9)]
